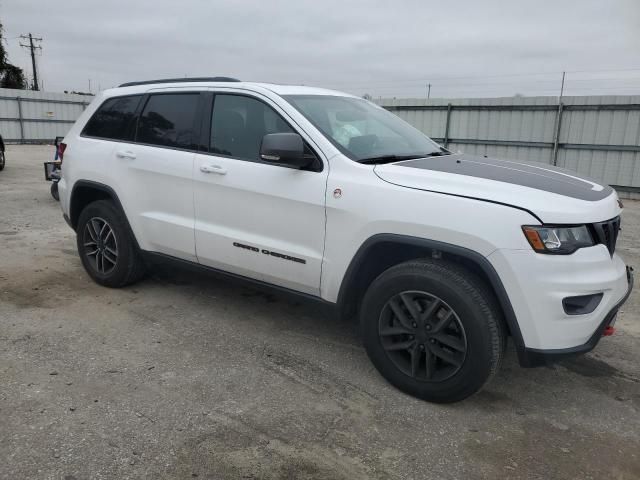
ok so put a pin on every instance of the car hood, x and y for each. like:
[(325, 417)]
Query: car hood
[(551, 194)]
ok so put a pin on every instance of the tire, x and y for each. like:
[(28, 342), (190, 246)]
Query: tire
[(433, 330), (2, 161), (111, 259), (54, 191)]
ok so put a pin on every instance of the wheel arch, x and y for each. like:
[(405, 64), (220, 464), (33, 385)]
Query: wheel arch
[(382, 251), (86, 191)]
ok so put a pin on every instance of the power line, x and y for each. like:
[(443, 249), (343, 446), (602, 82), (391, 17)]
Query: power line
[(32, 48), (530, 86), (527, 82), (499, 75)]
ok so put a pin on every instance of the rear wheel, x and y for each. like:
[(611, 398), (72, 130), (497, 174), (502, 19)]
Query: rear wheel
[(2, 161), (106, 247), (54, 191), (432, 329)]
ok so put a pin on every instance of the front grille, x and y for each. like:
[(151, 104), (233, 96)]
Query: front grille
[(606, 233)]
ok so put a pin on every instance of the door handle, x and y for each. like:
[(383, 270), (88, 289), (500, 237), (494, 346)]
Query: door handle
[(126, 154), (219, 169)]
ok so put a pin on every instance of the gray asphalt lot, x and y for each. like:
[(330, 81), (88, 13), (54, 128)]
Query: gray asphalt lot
[(187, 375)]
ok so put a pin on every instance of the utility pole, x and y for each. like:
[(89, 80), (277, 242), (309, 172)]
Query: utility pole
[(428, 91), (562, 87), (32, 48)]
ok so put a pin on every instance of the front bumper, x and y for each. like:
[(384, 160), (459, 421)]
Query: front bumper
[(536, 285), (533, 357)]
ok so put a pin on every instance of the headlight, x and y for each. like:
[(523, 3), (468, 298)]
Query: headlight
[(561, 240)]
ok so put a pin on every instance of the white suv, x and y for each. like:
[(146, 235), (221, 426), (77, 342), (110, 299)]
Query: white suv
[(442, 255)]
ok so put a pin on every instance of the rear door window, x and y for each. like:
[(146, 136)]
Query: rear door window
[(168, 120), (114, 119)]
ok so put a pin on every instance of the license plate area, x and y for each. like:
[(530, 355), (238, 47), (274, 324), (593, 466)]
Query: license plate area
[(52, 171)]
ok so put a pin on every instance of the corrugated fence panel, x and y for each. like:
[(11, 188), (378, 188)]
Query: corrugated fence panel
[(8, 108), (51, 111), (9, 129), (28, 117), (525, 154), (599, 136), (45, 131)]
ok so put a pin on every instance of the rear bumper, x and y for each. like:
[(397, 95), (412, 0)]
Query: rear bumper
[(534, 357)]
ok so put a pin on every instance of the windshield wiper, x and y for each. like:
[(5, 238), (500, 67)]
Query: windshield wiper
[(386, 159), (439, 153), (397, 158)]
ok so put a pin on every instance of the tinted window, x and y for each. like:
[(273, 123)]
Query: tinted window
[(238, 124), (168, 120), (114, 118)]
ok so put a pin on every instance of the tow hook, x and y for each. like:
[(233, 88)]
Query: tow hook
[(608, 331)]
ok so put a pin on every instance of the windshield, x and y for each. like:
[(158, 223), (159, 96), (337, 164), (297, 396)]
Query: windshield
[(363, 131)]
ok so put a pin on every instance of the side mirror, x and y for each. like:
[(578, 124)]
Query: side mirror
[(285, 149)]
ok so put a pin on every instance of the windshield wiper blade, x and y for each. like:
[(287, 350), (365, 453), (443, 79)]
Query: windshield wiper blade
[(438, 154), (385, 159), (397, 158)]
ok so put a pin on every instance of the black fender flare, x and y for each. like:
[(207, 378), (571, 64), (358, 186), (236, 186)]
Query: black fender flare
[(110, 192), (470, 255)]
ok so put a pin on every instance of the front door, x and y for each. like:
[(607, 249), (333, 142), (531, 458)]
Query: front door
[(253, 218)]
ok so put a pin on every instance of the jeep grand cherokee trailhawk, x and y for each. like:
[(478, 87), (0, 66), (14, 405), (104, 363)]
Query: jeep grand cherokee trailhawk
[(441, 255)]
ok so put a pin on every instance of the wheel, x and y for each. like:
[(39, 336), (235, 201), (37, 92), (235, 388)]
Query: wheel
[(106, 246), (2, 161), (433, 330), (54, 191)]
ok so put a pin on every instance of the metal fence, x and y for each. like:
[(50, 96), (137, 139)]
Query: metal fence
[(38, 117), (598, 136)]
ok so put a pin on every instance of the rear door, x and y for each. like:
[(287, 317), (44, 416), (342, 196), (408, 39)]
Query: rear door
[(155, 173), (254, 218)]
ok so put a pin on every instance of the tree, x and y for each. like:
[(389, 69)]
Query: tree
[(10, 75)]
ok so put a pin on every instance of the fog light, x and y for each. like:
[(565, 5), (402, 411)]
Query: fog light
[(581, 304)]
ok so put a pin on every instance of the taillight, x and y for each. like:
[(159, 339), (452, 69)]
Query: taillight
[(61, 148)]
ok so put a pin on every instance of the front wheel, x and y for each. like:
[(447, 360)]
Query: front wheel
[(2, 161), (433, 330)]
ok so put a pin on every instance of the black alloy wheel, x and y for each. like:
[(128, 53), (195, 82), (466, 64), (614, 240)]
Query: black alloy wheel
[(433, 329), (422, 336)]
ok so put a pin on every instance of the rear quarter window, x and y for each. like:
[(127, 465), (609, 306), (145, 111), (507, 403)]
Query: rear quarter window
[(114, 119)]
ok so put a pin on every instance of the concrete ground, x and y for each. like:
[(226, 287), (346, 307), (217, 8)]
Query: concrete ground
[(191, 376)]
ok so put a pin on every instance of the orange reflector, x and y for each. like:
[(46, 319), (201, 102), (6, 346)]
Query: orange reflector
[(534, 239)]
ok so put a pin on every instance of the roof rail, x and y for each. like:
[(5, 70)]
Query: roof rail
[(181, 80)]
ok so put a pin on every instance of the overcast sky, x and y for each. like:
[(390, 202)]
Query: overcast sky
[(464, 48)]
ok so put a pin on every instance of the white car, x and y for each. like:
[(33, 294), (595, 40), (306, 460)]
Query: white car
[(442, 255)]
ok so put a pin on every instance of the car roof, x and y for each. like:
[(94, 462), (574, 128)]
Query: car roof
[(279, 89)]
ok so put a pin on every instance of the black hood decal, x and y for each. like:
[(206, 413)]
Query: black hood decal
[(546, 178)]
